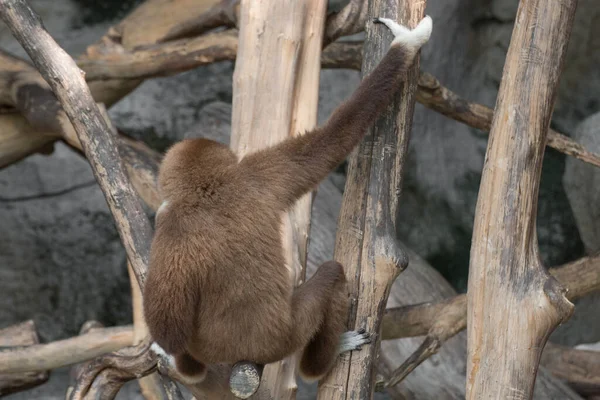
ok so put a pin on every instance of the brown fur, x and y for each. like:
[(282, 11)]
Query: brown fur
[(217, 290)]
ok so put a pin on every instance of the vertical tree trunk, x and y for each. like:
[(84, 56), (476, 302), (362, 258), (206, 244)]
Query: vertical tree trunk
[(275, 95), (513, 303), (365, 242)]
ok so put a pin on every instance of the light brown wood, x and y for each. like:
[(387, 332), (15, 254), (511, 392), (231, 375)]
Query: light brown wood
[(275, 95), (365, 242), (580, 278), (43, 357), (513, 303), (23, 334), (441, 321)]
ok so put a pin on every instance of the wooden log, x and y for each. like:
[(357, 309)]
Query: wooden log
[(281, 40), (513, 303), (43, 357), (23, 334), (365, 241)]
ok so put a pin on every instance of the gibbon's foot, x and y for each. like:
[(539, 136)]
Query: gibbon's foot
[(353, 340), (161, 353), (414, 38), (189, 371)]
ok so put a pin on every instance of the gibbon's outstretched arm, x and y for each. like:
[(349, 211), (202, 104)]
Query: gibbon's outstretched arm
[(295, 166)]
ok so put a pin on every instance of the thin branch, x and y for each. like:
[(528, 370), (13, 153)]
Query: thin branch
[(43, 357)]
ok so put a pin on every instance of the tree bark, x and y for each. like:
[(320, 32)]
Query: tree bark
[(23, 334), (43, 357), (281, 41), (513, 303), (366, 237)]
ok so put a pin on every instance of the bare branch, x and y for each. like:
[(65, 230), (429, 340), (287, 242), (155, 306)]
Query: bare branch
[(279, 107), (23, 334), (161, 59), (580, 277), (42, 357), (224, 13), (61, 72)]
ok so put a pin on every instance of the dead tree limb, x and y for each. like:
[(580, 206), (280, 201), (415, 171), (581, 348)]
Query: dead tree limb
[(161, 59), (365, 241), (441, 321), (267, 111), (513, 303), (224, 13), (43, 357), (579, 368), (23, 334)]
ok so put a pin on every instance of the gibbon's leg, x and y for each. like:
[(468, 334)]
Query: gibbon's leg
[(296, 165), (312, 301), (190, 371), (320, 310)]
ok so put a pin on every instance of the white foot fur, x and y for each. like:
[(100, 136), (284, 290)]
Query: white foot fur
[(160, 352), (414, 38), (353, 340), (169, 359)]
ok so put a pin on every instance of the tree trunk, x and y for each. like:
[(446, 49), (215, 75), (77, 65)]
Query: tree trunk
[(513, 303), (366, 237), (275, 95)]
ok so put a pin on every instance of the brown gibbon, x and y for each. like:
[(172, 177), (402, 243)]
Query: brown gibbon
[(217, 289)]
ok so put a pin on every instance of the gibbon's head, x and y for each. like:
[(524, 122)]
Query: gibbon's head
[(191, 162)]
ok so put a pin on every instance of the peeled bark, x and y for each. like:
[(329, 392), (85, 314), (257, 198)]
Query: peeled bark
[(513, 303)]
